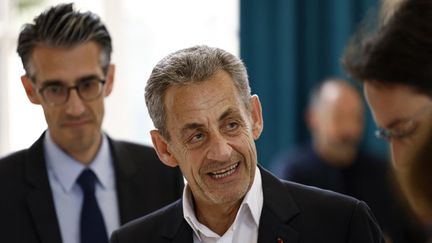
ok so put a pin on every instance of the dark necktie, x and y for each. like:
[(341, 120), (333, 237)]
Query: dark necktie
[(92, 223)]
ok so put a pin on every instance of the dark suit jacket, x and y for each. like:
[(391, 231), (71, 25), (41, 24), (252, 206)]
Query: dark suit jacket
[(27, 213), (368, 179), (291, 213)]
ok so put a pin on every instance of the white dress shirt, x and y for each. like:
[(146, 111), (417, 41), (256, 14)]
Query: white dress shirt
[(63, 172), (245, 225)]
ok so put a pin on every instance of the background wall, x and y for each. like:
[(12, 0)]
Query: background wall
[(288, 47)]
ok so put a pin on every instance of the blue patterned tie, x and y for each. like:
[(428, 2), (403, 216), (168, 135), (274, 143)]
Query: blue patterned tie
[(92, 223)]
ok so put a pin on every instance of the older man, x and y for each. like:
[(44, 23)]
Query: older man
[(207, 121)]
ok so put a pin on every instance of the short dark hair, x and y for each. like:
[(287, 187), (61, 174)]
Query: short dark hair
[(399, 51), (188, 66), (62, 26)]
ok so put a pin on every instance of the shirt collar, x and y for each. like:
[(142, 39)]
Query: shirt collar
[(67, 169), (254, 198), (252, 203)]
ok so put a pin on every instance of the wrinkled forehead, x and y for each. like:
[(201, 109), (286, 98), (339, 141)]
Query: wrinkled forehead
[(206, 100)]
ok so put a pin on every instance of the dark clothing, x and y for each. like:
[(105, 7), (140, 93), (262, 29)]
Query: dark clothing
[(291, 213), (368, 179), (27, 213)]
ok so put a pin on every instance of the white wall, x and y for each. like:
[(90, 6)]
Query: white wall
[(143, 32)]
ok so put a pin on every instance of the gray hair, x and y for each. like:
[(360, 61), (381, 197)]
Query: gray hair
[(191, 65), (62, 26)]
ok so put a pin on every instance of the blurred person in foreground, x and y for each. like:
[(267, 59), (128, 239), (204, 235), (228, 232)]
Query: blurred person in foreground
[(206, 123), (334, 160), (75, 184), (395, 66)]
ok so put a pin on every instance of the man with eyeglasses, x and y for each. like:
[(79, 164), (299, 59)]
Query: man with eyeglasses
[(75, 184), (394, 65)]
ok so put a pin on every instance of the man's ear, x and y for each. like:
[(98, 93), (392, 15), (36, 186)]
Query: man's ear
[(30, 91), (109, 80), (162, 149), (257, 118)]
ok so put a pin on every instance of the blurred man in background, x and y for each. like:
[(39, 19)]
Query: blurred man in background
[(333, 159)]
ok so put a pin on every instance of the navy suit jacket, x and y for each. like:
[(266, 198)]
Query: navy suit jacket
[(291, 213), (27, 213)]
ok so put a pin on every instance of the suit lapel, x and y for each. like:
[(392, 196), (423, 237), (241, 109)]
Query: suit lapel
[(177, 230), (39, 199), (272, 229), (278, 211)]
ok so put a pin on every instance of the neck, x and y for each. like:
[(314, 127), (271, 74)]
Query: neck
[(85, 157), (83, 154), (218, 218)]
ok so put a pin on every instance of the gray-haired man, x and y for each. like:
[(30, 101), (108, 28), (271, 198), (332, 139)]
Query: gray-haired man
[(207, 123)]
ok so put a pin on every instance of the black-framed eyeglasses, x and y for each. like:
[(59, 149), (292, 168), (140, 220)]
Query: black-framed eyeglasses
[(58, 94), (402, 129)]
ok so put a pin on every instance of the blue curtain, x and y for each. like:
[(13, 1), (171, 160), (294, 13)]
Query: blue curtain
[(289, 46)]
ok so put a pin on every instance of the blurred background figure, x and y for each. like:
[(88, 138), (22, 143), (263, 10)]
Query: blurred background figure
[(333, 159), (336, 122), (394, 64)]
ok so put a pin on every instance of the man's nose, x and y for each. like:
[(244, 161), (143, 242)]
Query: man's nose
[(220, 149), (75, 105)]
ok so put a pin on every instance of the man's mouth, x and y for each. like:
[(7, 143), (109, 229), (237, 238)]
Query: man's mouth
[(224, 172), (76, 123)]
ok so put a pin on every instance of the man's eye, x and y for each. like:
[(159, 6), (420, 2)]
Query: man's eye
[(405, 130), (402, 134), (232, 126), (55, 89), (198, 137), (88, 85)]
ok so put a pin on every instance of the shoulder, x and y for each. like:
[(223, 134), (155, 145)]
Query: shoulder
[(317, 199), (152, 227), (12, 164), (287, 193), (135, 148), (328, 214), (136, 155), (140, 158)]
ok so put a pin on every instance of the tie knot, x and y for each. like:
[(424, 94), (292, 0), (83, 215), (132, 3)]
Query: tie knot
[(87, 181)]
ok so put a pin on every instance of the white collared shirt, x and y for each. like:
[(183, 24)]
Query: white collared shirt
[(63, 171), (245, 225)]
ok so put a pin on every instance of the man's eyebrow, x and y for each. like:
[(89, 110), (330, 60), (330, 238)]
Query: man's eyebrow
[(51, 82), (229, 112), (88, 77), (58, 81)]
